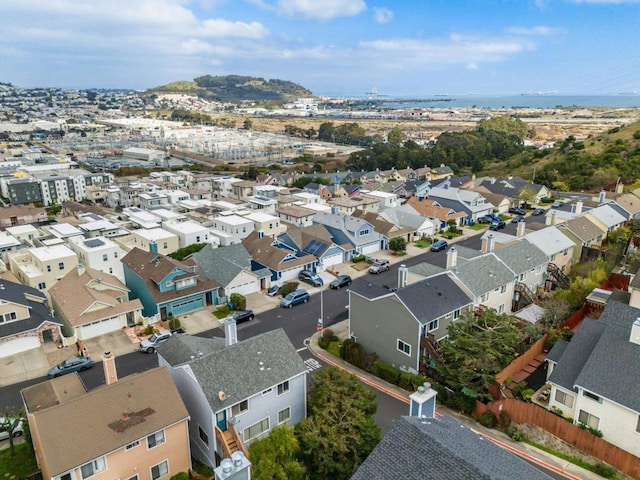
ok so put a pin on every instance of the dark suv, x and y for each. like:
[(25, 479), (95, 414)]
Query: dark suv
[(311, 278), (517, 211), (243, 316), (497, 225)]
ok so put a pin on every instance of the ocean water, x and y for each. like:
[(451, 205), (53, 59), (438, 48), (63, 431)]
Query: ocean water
[(511, 101)]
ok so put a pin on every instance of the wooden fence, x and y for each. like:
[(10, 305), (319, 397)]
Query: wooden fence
[(522, 412), (522, 361)]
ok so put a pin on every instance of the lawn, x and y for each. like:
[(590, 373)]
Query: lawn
[(479, 226), (20, 466), (422, 243), (222, 312)]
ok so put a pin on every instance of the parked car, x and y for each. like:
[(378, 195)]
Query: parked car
[(150, 344), (340, 281), (439, 245), (485, 219), (311, 278), (273, 290), (295, 298), (379, 265), (538, 211), (18, 431), (517, 218), (75, 364), (557, 204), (497, 225), (243, 316), (517, 211)]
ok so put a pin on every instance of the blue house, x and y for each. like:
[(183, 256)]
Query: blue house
[(356, 232), (281, 260), (314, 240), (166, 286)]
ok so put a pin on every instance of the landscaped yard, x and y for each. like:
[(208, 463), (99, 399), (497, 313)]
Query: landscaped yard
[(423, 243), (20, 466)]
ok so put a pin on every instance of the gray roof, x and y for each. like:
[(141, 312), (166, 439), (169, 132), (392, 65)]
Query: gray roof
[(549, 239), (483, 274), (223, 264), (521, 256), (583, 228), (348, 225), (404, 216), (183, 348), (557, 350), (441, 449), (39, 313), (426, 269), (367, 289), (246, 368)]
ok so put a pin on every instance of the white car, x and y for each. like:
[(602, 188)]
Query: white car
[(150, 344), (17, 432)]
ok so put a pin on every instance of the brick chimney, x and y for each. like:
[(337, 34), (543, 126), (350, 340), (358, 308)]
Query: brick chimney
[(109, 366)]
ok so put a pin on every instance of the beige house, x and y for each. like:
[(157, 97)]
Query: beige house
[(156, 240), (347, 206), (42, 267), (134, 429), (93, 303), (583, 232)]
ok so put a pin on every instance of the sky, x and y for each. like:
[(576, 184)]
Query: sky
[(332, 47)]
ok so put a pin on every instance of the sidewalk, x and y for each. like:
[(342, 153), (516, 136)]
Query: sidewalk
[(341, 330)]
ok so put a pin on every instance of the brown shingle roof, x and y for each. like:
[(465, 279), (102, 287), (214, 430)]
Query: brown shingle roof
[(266, 254), (78, 430), (426, 208)]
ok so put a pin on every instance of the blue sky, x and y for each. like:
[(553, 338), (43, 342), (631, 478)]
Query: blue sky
[(332, 47)]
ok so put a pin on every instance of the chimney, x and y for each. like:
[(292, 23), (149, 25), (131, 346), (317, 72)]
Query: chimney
[(402, 276), (602, 196), (520, 229), (491, 242), (553, 217), (635, 332), (423, 402), (452, 258), (619, 187), (230, 331), (80, 269), (238, 467), (109, 366), (579, 207)]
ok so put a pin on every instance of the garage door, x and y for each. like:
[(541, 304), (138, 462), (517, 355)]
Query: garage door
[(371, 248), (245, 288), (18, 345), (291, 274), (332, 260), (99, 328)]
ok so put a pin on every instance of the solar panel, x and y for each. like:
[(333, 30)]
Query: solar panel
[(314, 247), (93, 242)]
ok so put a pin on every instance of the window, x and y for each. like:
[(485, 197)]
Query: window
[(501, 308), (42, 285), (155, 439), (95, 466), (538, 269), (61, 265), (240, 408), (197, 238), (256, 429), (159, 470), (65, 476), (115, 254), (284, 415), (456, 314), (165, 245), (484, 297), (364, 231), (592, 396), (283, 387), (105, 257), (404, 347), (503, 288), (589, 420), (638, 425), (48, 268), (564, 398), (203, 436), (267, 392), (132, 445), (565, 252), (433, 325), (7, 317), (135, 477), (522, 278)]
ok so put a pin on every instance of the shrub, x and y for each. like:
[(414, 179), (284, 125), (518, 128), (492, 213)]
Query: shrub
[(504, 419), (488, 419), (288, 287), (238, 301), (516, 434), (604, 470), (462, 402), (180, 476), (518, 390), (148, 330), (358, 258), (174, 323), (527, 394), (593, 431), (323, 342), (636, 135)]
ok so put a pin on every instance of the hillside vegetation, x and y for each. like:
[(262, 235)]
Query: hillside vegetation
[(236, 89)]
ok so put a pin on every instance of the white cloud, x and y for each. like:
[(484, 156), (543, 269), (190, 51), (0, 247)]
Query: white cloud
[(538, 30), (320, 9), (382, 15)]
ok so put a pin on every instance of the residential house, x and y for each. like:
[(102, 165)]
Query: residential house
[(26, 234), (501, 203), (266, 224), (14, 215), (230, 228), (436, 213), (188, 232), (135, 428), (141, 218), (99, 253), (230, 267), (42, 267), (631, 203), (512, 187), (423, 446), (608, 216), (595, 378), (166, 286), (235, 391), (222, 186), (442, 171), (396, 324), (386, 228), (296, 215), (385, 199), (157, 240), (584, 233), (349, 205), (318, 189), (283, 263), (243, 189), (26, 321), (317, 241), (8, 244), (473, 203), (358, 232), (91, 303), (406, 216), (262, 204), (154, 199)]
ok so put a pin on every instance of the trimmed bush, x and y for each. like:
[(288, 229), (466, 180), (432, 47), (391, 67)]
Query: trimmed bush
[(288, 287), (239, 301), (462, 402), (488, 419), (516, 434), (148, 330), (180, 476), (174, 323), (504, 419), (358, 258)]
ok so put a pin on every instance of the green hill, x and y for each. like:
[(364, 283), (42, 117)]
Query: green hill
[(236, 89)]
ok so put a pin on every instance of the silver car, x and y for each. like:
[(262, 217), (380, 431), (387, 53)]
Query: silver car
[(18, 431)]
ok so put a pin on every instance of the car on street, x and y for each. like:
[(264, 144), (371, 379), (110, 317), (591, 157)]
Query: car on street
[(485, 219), (295, 298), (340, 281), (379, 265), (273, 290), (517, 218), (311, 278), (557, 204), (497, 225), (150, 344), (243, 316), (517, 211), (439, 245), (538, 211), (18, 430), (70, 365)]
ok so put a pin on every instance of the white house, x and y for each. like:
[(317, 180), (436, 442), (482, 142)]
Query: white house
[(156, 240), (188, 231), (42, 267), (99, 253), (269, 225), (231, 228), (385, 199)]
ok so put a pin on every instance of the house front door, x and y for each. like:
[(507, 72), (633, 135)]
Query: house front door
[(221, 420)]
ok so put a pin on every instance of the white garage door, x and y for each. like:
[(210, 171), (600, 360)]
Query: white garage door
[(332, 260), (18, 345), (371, 248), (291, 274), (100, 328), (245, 288)]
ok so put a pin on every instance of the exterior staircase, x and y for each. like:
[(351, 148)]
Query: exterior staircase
[(230, 441), (526, 296), (558, 275), (429, 342)]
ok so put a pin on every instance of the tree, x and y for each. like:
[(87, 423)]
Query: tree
[(556, 311), (527, 195), (340, 430), (478, 347), (395, 136), (9, 423), (247, 124), (184, 252), (239, 301), (326, 132), (398, 244), (274, 457)]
